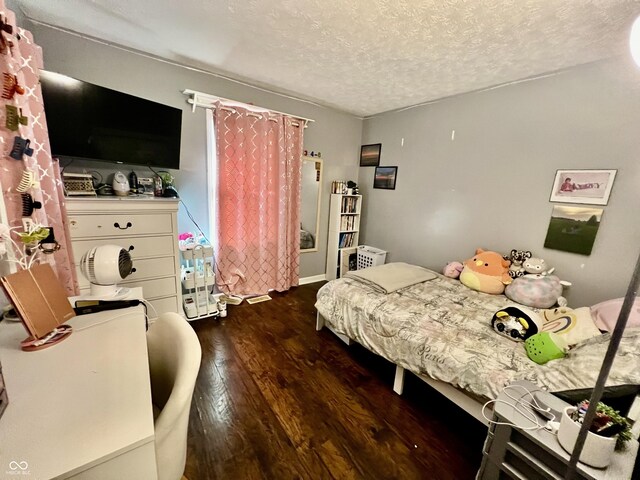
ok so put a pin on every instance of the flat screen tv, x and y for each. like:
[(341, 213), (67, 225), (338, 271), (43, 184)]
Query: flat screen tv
[(90, 122)]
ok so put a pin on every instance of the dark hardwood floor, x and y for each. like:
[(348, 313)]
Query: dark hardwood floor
[(276, 399)]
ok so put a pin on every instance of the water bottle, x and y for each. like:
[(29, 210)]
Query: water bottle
[(157, 191), (133, 182)]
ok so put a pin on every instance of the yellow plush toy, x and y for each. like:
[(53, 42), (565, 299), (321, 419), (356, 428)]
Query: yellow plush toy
[(486, 272)]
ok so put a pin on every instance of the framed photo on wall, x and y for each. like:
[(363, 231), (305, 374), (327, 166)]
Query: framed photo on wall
[(385, 177), (590, 187), (573, 229), (370, 155)]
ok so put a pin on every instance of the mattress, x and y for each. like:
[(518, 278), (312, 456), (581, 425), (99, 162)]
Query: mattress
[(442, 329)]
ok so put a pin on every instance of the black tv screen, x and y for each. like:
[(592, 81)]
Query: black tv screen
[(90, 122)]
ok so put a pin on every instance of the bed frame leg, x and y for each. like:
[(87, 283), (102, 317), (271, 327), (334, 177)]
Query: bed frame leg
[(398, 382), (319, 322)]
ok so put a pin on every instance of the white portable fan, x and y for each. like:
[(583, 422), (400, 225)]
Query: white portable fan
[(104, 267)]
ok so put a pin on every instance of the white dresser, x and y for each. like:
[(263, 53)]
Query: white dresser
[(147, 227)]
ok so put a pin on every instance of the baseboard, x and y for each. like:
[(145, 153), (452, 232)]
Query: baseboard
[(316, 278)]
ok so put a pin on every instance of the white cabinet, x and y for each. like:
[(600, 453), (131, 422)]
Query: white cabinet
[(529, 452), (199, 280), (344, 233), (147, 227)]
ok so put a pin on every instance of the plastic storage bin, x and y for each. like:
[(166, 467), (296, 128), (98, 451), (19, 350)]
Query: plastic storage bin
[(370, 257), (198, 280)]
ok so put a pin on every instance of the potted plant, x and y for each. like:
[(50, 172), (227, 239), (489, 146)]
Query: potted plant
[(609, 431)]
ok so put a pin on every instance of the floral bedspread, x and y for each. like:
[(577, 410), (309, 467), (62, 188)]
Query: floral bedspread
[(442, 329)]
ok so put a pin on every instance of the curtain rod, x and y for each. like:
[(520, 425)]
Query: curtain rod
[(199, 99)]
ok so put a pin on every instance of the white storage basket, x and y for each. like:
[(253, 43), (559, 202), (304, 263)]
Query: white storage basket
[(370, 257)]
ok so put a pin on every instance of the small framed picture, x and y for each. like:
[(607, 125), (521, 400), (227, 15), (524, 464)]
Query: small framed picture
[(370, 155), (385, 177), (590, 187), (573, 229)]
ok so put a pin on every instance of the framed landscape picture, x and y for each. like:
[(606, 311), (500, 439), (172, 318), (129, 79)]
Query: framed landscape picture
[(590, 187), (385, 177), (573, 229), (370, 155)]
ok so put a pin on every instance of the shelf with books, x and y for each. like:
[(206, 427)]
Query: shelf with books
[(344, 233)]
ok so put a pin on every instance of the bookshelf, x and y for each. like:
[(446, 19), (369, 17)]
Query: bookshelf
[(344, 232)]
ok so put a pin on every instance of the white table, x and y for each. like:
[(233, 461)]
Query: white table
[(80, 409), (510, 452)]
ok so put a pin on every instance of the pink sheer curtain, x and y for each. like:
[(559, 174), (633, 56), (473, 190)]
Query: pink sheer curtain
[(22, 59), (259, 168)]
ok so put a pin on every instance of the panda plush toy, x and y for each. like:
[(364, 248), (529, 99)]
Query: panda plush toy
[(516, 323), (517, 258)]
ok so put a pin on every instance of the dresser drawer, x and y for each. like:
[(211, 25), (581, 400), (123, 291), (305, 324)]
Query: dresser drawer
[(119, 225), (158, 287), (145, 268), (161, 246), (168, 304)]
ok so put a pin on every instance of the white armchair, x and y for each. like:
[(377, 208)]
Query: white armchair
[(174, 361)]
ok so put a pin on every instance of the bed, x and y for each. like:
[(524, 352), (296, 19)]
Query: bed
[(440, 330)]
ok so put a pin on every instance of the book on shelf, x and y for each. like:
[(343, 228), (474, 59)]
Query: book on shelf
[(346, 240), (338, 186), (349, 204), (348, 222)]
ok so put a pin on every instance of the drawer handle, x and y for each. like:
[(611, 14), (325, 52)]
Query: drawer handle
[(117, 225), (131, 247), (133, 270)]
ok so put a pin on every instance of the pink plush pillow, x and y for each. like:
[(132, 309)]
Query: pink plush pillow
[(605, 314)]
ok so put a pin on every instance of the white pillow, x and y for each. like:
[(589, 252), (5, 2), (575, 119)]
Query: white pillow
[(573, 325), (606, 314)]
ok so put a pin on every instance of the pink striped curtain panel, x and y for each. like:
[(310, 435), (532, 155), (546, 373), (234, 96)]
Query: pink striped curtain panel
[(21, 60), (258, 200)]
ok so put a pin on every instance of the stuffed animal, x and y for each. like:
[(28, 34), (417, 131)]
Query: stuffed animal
[(452, 269), (486, 272), (517, 257), (545, 346), (537, 291), (516, 323), (535, 266)]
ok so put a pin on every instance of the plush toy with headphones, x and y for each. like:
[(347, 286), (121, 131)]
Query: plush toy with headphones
[(517, 323)]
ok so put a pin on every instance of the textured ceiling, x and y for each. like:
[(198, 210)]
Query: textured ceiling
[(364, 57)]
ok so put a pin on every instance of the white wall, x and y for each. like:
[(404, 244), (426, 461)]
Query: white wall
[(336, 134), (490, 186)]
